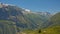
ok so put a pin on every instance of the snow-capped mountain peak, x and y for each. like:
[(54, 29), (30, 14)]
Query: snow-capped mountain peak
[(2, 4)]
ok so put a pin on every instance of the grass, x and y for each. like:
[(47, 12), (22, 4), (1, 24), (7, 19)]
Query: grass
[(49, 30)]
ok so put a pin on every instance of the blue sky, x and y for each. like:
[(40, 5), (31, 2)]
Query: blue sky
[(36, 5)]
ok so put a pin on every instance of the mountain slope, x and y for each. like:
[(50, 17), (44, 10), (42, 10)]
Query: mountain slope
[(16, 19)]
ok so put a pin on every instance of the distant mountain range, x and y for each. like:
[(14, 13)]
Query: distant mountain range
[(14, 19)]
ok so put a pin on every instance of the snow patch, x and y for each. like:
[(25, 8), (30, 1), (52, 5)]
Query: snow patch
[(27, 10)]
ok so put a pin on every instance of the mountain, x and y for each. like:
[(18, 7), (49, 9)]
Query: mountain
[(14, 19), (54, 28)]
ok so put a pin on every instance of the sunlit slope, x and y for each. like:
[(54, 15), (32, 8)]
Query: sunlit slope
[(55, 27)]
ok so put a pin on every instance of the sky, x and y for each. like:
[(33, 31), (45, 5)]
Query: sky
[(36, 5)]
